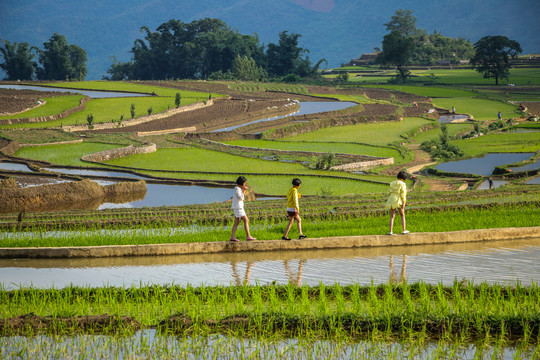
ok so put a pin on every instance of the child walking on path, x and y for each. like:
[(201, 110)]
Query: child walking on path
[(293, 210), (397, 197), (238, 208)]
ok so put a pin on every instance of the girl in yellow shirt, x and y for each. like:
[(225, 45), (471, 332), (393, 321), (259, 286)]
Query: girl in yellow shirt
[(397, 197)]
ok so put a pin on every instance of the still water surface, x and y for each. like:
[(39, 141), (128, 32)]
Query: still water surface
[(493, 262), (90, 93), (306, 107), (484, 165)]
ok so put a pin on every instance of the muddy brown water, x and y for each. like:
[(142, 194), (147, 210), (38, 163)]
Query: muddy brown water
[(504, 262)]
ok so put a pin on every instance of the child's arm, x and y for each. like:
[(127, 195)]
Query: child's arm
[(296, 203), (239, 193)]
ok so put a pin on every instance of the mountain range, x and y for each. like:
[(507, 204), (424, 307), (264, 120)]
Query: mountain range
[(337, 30)]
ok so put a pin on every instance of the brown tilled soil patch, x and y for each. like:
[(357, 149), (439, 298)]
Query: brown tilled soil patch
[(15, 101), (533, 107), (378, 109), (223, 111), (223, 88), (99, 323)]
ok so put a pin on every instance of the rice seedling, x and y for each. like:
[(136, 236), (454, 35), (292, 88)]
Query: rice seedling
[(54, 105), (374, 134), (350, 316)]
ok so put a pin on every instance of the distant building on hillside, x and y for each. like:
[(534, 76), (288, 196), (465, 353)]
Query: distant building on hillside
[(365, 59)]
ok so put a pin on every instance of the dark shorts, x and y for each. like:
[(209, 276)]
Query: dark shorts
[(292, 213)]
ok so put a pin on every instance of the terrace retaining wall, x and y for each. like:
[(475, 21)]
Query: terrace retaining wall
[(366, 161), (462, 236), (118, 153), (139, 120), (363, 165)]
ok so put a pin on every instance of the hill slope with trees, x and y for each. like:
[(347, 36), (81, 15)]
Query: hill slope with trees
[(336, 33)]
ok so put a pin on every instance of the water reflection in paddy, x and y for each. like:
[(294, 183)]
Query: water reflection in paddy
[(306, 108), (14, 167), (174, 195), (484, 165), (502, 262), (90, 93)]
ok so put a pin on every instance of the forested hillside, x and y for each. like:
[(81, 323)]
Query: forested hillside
[(337, 30)]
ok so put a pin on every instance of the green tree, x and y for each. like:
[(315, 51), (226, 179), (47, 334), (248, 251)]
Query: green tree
[(246, 69), (188, 50), (119, 70), (397, 50), (286, 56), (402, 21), (18, 61), (61, 61), (177, 99), (492, 56)]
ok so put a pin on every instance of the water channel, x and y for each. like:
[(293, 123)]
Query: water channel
[(95, 94), (306, 108), (503, 262)]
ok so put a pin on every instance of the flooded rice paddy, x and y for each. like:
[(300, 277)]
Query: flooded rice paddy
[(90, 93), (493, 262), (148, 344), (484, 165), (306, 108)]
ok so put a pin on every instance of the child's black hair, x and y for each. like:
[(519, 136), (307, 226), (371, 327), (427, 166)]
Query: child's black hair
[(402, 175), (241, 180), (296, 182)]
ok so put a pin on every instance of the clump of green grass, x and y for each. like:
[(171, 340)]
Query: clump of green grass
[(208, 227)]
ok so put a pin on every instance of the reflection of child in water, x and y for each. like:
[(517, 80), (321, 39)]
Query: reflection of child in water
[(397, 197)]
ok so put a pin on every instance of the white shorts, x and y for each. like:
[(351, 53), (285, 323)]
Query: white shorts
[(238, 213)]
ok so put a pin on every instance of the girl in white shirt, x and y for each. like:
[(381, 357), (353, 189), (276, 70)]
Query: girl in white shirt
[(238, 208)]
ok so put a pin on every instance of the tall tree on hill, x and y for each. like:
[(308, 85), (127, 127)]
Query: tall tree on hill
[(285, 57), (397, 50), (402, 21), (61, 61), (18, 61), (493, 54)]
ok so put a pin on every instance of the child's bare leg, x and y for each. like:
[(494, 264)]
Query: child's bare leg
[(299, 224), (392, 216), (291, 220), (234, 227), (246, 226), (402, 215)]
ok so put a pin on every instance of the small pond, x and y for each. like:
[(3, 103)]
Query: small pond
[(14, 167), (445, 119), (528, 167), (156, 194), (174, 195), (484, 165), (91, 93), (87, 172), (493, 262), (496, 184), (306, 108)]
